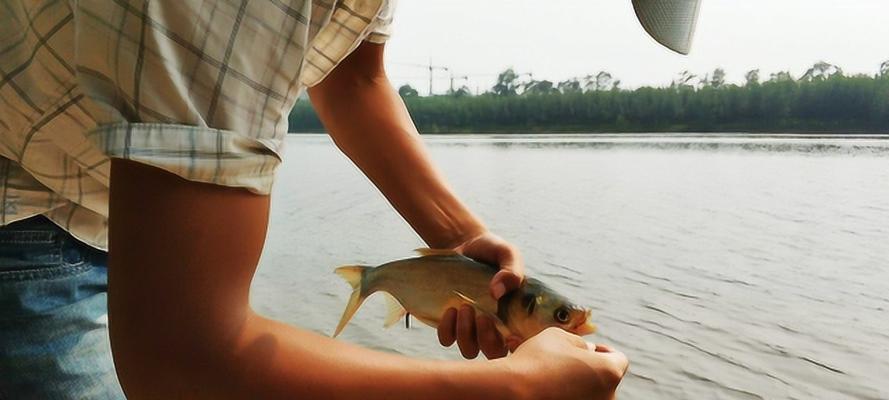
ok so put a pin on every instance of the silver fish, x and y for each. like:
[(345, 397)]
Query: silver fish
[(426, 286)]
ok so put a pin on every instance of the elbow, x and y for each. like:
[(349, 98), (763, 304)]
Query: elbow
[(155, 360)]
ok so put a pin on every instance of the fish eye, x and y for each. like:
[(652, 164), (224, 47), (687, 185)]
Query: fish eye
[(562, 315)]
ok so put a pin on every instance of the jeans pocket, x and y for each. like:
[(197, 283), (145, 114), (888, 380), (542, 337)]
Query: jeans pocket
[(37, 249), (29, 250), (43, 268), (31, 291)]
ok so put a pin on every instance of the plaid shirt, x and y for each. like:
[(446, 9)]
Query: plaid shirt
[(199, 88)]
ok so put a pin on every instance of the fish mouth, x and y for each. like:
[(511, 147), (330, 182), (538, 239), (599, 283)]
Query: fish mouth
[(584, 326)]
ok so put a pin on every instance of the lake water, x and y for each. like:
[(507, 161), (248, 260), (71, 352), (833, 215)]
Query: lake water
[(727, 267)]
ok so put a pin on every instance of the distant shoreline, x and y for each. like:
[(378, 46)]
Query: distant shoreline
[(824, 105), (762, 134), (800, 143)]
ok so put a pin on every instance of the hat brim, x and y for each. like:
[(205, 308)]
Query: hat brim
[(671, 23)]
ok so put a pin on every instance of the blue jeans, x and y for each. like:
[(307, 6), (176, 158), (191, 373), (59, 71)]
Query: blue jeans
[(53, 315)]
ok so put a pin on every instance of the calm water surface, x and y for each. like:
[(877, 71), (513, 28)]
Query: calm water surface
[(725, 267)]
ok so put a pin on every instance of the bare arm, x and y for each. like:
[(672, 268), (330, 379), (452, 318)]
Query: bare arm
[(182, 256), (370, 124)]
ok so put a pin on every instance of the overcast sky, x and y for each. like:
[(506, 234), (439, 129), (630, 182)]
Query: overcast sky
[(559, 39)]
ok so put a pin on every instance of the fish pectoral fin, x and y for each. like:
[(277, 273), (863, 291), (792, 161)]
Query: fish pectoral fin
[(498, 324), (472, 303), (394, 310), (466, 299), (425, 251)]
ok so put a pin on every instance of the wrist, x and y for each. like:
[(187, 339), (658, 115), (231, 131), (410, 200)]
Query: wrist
[(490, 380), (513, 379), (462, 233)]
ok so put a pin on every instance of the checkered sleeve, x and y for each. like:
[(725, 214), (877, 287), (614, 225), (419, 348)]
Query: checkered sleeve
[(199, 89), (195, 153), (381, 27), (352, 22)]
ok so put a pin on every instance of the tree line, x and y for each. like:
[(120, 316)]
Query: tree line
[(824, 99)]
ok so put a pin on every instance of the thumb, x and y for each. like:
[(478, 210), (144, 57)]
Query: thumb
[(511, 274), (576, 341), (505, 281), (513, 342)]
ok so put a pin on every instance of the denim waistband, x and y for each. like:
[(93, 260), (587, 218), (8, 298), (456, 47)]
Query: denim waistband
[(37, 242), (36, 229)]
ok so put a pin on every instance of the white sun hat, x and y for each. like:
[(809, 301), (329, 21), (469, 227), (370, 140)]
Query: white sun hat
[(671, 22)]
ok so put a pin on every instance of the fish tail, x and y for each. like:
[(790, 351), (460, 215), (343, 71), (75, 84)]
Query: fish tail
[(355, 275)]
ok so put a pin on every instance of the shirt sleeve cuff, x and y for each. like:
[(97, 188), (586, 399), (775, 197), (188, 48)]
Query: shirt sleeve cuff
[(195, 153)]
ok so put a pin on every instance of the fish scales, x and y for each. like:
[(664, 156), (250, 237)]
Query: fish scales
[(427, 286)]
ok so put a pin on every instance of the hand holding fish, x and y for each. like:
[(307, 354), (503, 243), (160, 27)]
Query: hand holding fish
[(492, 249), (478, 332)]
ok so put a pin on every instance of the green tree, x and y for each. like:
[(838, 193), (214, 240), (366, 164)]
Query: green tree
[(825, 101), (539, 87), (821, 71), (461, 91), (752, 77), (684, 80), (507, 83), (569, 86), (600, 82), (781, 76), (717, 80), (407, 91)]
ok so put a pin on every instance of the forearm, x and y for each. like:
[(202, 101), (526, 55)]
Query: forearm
[(182, 257), (272, 360), (370, 124), (340, 370)]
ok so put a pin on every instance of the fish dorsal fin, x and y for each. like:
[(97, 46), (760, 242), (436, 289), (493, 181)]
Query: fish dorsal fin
[(424, 251), (394, 310)]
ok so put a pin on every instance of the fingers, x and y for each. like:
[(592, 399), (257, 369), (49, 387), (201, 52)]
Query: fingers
[(509, 259), (447, 328), (601, 348), (492, 249), (489, 339), (505, 281), (619, 361), (512, 270), (472, 334), (573, 339), (466, 333), (513, 343)]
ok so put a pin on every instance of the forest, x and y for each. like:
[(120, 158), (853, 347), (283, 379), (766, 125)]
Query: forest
[(823, 100)]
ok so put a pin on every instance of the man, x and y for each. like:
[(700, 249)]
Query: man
[(153, 130)]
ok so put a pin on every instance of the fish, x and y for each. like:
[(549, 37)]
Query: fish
[(428, 285)]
